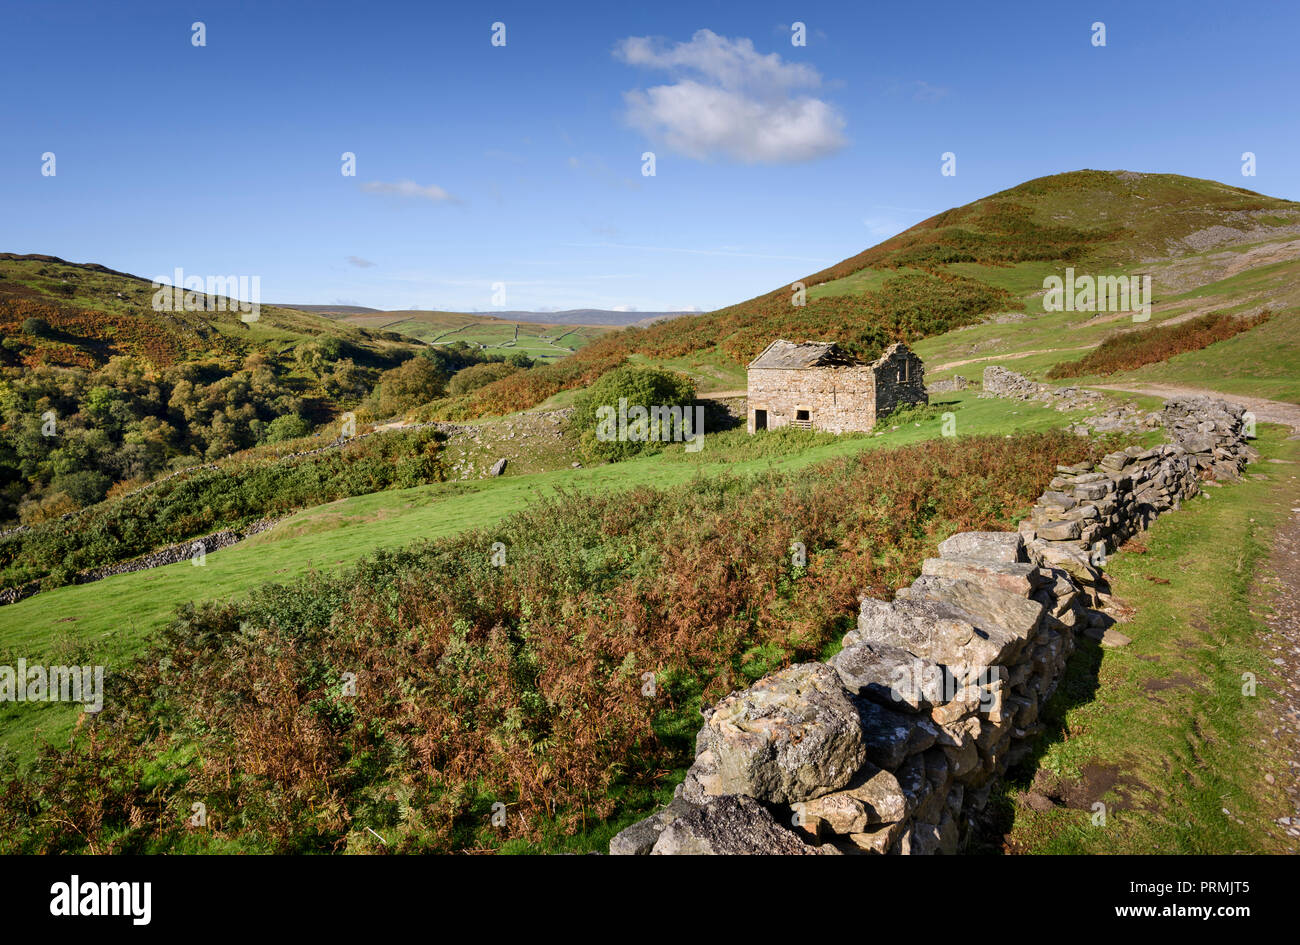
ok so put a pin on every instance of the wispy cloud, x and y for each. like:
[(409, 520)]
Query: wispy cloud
[(880, 227), (499, 155), (360, 263), (923, 91), (695, 252), (730, 101), (409, 189)]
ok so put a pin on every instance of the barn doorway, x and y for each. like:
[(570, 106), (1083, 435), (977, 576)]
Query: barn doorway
[(760, 420)]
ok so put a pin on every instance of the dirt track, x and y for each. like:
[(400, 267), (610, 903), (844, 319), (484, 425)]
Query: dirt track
[(1265, 411)]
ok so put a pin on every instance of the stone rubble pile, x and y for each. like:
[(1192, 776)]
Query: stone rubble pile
[(896, 743), (1213, 432), (954, 383), (1126, 418), (999, 382)]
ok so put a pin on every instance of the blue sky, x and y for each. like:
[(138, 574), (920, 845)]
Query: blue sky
[(521, 164)]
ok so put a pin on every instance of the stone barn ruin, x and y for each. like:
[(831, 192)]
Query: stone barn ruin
[(817, 385)]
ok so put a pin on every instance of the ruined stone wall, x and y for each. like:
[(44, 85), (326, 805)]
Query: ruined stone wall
[(895, 744), (838, 399), (900, 379), (999, 382)]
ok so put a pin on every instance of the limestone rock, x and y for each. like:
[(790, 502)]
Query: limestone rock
[(1007, 547), (727, 826), (889, 675), (792, 736), (1007, 619), (873, 797), (1016, 577), (891, 737), (638, 839)]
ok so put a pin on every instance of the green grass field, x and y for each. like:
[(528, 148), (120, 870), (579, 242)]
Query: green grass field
[(108, 621), (1260, 362), (538, 341)]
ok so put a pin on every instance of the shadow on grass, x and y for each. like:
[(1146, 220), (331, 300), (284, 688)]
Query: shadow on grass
[(1078, 686)]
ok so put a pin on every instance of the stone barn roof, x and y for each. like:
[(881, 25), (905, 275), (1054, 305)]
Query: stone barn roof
[(789, 355)]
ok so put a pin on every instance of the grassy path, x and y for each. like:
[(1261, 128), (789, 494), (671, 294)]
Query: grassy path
[(1166, 732)]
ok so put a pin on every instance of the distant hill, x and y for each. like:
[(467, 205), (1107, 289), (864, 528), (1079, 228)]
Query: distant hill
[(590, 316), (92, 313), (575, 316), (541, 341), (332, 309)]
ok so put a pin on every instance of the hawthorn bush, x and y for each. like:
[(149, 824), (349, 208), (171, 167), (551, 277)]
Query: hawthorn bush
[(638, 387)]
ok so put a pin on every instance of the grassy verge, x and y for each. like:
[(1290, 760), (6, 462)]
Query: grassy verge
[(1160, 731)]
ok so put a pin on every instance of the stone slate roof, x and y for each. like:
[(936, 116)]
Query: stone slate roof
[(794, 356)]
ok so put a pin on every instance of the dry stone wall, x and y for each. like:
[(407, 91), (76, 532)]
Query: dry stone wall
[(1125, 417), (952, 384), (895, 744), (999, 382)]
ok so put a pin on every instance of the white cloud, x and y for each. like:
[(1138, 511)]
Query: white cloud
[(729, 100), (360, 263), (408, 188)]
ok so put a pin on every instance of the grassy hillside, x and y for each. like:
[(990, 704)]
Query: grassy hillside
[(966, 285), (516, 683), (333, 536), (541, 342), (101, 391), (96, 313)]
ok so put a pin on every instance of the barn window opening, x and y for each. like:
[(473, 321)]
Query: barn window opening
[(801, 414)]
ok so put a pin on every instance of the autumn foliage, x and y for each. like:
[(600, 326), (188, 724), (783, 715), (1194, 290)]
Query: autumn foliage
[(518, 681), (1127, 350)]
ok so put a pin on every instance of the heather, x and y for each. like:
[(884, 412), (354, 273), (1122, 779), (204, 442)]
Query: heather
[(1127, 350), (553, 664)]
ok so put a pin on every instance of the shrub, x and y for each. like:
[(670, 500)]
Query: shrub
[(478, 375), (85, 487), (596, 414), (287, 426), (36, 327), (408, 385)]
